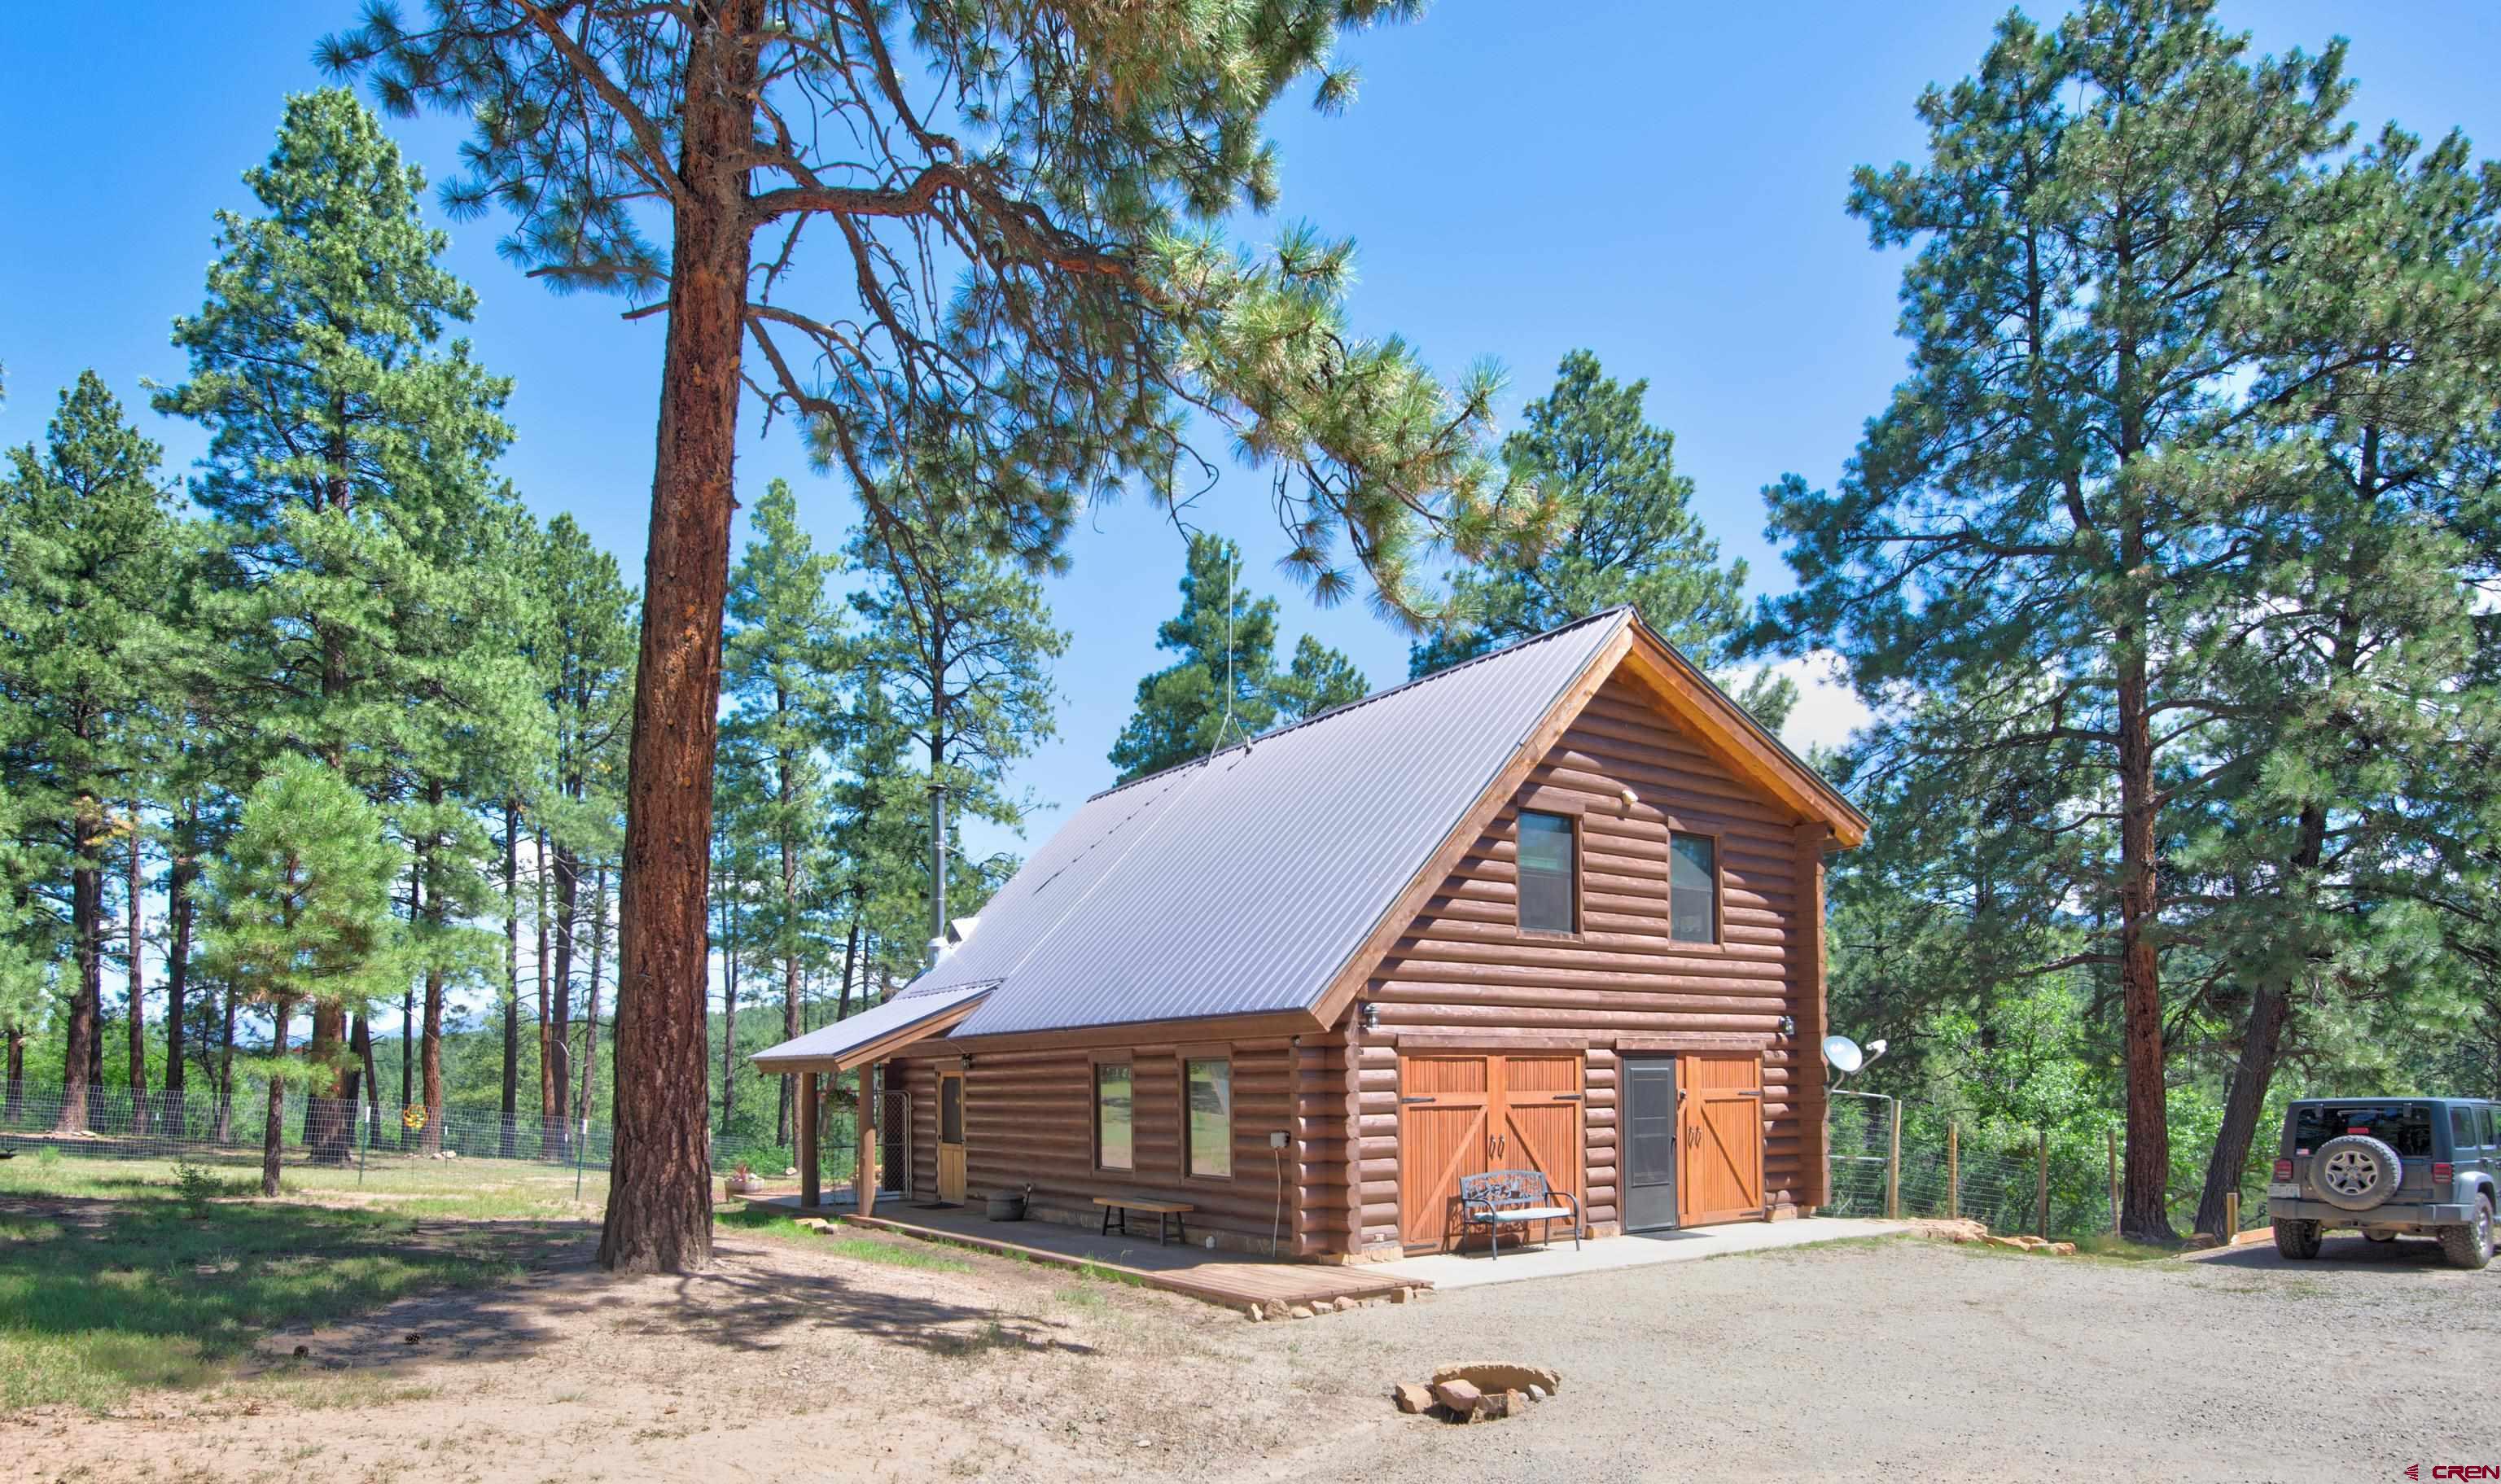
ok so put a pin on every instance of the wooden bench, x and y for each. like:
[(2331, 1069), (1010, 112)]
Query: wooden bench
[(1120, 1206), (1501, 1198)]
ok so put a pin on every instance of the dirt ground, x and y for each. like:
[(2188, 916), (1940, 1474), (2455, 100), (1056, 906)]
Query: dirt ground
[(1894, 1359)]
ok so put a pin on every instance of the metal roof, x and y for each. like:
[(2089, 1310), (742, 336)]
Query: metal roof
[(878, 1022), (1242, 883)]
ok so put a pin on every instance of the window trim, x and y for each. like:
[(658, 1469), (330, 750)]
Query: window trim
[(1182, 1055), (1577, 827), (1095, 1063), (1718, 889)]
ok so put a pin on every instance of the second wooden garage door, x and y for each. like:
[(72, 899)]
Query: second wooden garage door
[(1465, 1113)]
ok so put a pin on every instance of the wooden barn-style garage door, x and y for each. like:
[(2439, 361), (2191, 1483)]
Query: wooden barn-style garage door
[(1462, 1113)]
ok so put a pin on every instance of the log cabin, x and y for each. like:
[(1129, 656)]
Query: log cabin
[(1557, 908)]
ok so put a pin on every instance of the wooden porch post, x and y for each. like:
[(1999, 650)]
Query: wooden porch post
[(809, 1196), (864, 1170)]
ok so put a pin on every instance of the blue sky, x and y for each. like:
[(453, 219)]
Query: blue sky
[(1661, 184)]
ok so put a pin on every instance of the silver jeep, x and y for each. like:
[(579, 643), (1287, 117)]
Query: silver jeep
[(2388, 1167)]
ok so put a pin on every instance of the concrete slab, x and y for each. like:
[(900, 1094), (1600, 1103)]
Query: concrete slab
[(1446, 1270)]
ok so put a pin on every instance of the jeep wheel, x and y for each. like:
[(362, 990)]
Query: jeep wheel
[(2469, 1246), (2382, 1237), (2355, 1173), (2297, 1239)]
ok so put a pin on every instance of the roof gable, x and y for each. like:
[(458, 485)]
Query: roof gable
[(1266, 877)]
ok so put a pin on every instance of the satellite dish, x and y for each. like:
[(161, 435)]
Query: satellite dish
[(1842, 1054)]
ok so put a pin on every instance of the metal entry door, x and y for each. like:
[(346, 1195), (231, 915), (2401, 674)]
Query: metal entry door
[(1650, 1143)]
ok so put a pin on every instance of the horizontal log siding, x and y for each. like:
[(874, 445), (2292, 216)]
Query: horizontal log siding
[(1463, 965), (1029, 1120)]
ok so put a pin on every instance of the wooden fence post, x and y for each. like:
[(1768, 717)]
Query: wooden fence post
[(2114, 1179), (2044, 1223), (1893, 1167), (2231, 1216), (1953, 1171)]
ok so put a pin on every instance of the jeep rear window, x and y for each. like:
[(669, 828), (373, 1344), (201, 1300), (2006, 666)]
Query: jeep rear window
[(2403, 1127)]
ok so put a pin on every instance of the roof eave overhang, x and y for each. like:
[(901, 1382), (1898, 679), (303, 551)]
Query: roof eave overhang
[(767, 1064)]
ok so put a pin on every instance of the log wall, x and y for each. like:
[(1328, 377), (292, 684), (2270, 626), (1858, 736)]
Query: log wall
[(1029, 1119), (1463, 967)]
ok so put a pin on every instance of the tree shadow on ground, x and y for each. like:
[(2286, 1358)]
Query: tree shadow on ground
[(2407, 1255), (101, 1294)]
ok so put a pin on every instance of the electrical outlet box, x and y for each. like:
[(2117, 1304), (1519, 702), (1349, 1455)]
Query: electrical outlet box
[(1277, 1140)]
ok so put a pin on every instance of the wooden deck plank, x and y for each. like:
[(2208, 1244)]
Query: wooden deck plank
[(1232, 1284)]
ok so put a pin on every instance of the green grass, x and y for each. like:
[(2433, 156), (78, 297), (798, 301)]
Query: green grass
[(115, 1277), (906, 1253), (2121, 1250)]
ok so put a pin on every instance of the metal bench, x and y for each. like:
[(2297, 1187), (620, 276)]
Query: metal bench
[(1502, 1198), (1121, 1205)]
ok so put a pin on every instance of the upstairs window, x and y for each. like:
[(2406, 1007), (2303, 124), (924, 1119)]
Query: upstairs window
[(1693, 889), (1547, 875)]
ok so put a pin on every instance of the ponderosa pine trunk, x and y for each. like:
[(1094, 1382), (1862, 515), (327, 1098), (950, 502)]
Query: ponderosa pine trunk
[(547, 1054), (729, 1007), (659, 1203), (590, 1009), (136, 887), (850, 957), (86, 999), (408, 1006), (273, 1129), (2145, 1206), (15, 1105), (180, 906), (568, 909), (507, 1141), (430, 1053)]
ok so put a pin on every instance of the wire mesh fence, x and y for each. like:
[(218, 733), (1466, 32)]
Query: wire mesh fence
[(370, 1140), (1889, 1159)]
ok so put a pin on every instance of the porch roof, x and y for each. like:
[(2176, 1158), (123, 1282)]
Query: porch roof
[(873, 1033)]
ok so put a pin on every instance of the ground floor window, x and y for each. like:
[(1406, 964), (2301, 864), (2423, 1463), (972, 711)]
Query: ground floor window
[(1112, 1109), (1208, 1089)]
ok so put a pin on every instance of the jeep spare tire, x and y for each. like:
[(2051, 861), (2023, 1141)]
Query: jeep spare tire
[(2355, 1173)]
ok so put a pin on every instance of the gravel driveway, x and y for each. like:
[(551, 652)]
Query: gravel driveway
[(1915, 1360)]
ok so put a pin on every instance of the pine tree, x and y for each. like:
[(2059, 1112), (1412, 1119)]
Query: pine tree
[(586, 656), (299, 911), (1094, 301), (1624, 531), (1224, 689), (2034, 533), (960, 642), (90, 562), (780, 676), (349, 475)]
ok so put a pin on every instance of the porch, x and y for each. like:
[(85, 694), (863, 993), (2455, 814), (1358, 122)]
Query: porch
[(1229, 1278)]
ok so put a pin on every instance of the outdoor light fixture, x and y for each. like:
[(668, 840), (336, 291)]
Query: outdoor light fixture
[(1370, 1016), (1788, 1024)]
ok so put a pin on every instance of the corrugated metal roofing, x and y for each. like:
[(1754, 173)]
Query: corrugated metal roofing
[(876, 1023), (1242, 883)]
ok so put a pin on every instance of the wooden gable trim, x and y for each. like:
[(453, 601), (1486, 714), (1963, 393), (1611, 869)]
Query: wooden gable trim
[(1496, 796), (1710, 717)]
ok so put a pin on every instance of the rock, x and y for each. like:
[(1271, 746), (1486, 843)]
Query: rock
[(2062, 1249), (1256, 1314), (1299, 1311), (2008, 1242), (1402, 1296), (1495, 1375), (1460, 1396), (1323, 1305), (1496, 1405), (1411, 1397), (2031, 1243), (1537, 1394)]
